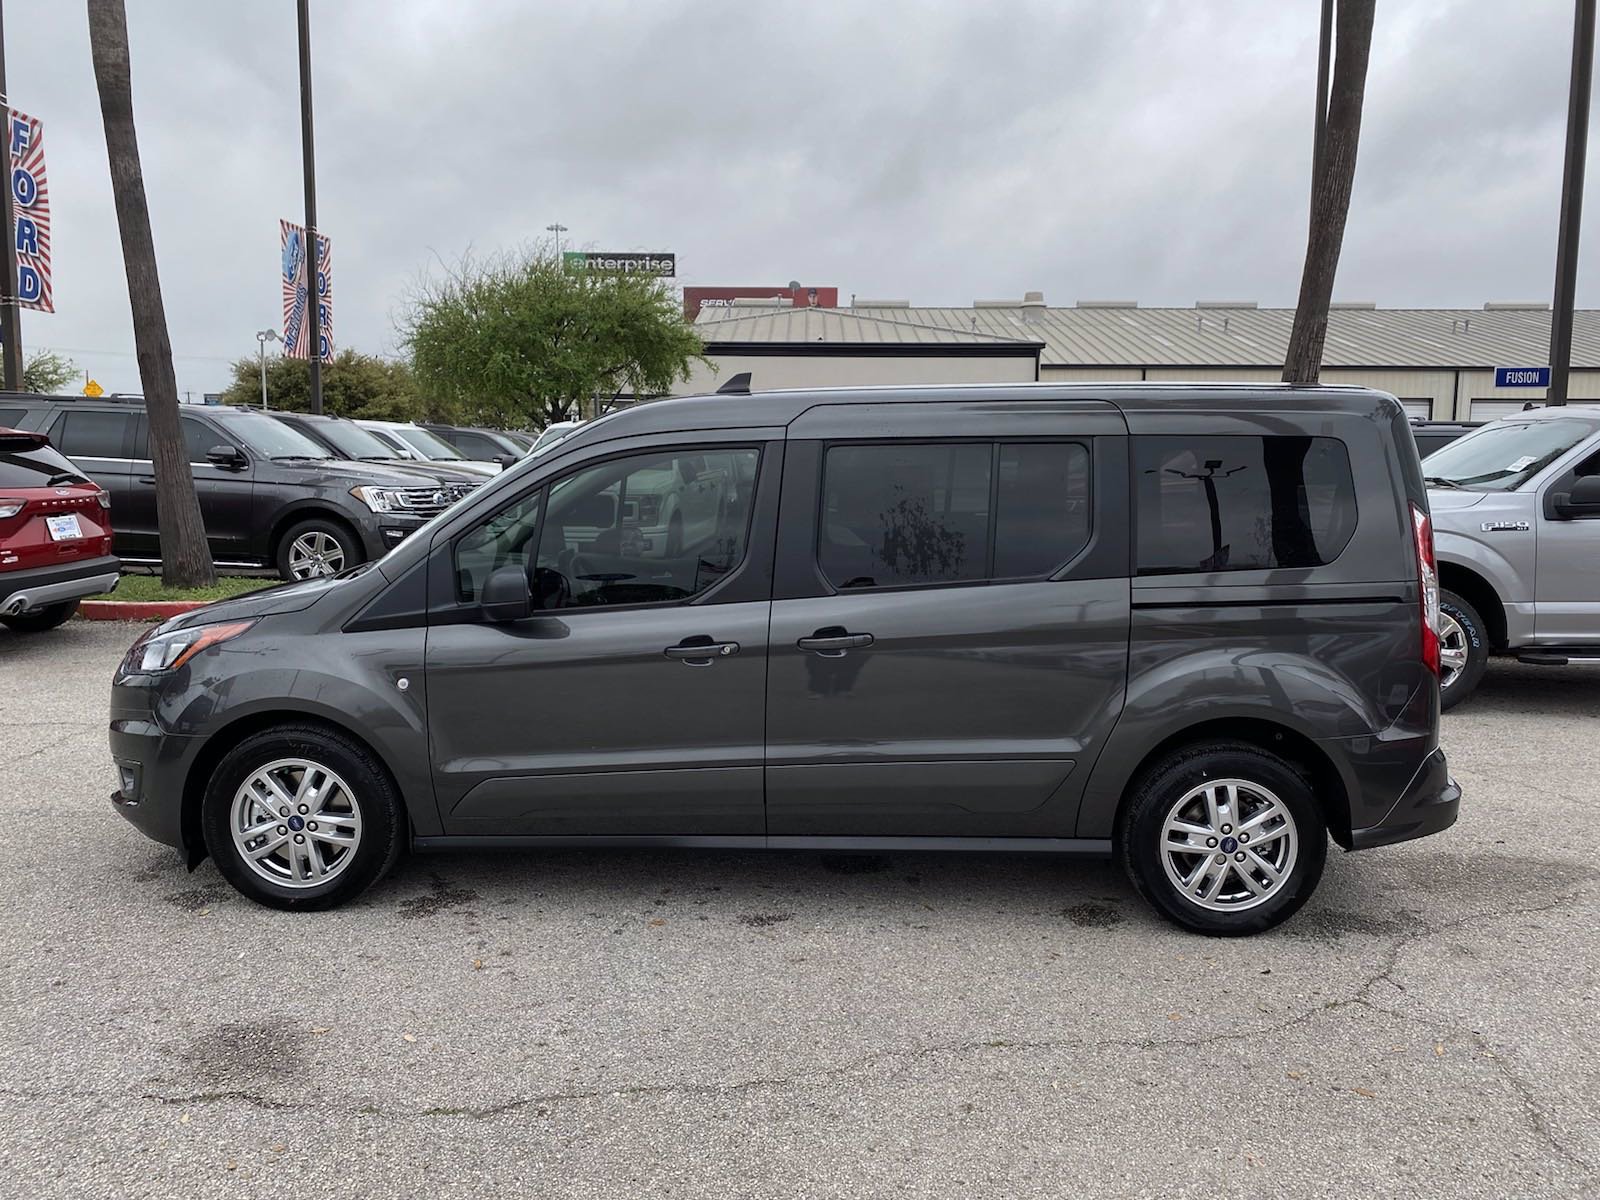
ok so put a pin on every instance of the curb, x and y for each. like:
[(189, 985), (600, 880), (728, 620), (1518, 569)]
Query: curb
[(133, 610)]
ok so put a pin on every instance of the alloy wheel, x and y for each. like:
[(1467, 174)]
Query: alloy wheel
[(1229, 844), (1453, 650), (295, 823), (314, 554)]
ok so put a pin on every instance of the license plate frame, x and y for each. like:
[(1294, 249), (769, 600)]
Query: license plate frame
[(64, 528)]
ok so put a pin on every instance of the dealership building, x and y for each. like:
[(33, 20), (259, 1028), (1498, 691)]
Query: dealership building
[(1441, 362)]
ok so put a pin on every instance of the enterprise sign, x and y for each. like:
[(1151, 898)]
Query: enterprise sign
[(664, 265)]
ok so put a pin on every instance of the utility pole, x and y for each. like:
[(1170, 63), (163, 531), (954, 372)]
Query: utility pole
[(263, 336), (313, 239), (10, 312), (1571, 200)]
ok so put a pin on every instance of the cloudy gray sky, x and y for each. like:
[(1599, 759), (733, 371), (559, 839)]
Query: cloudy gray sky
[(928, 149)]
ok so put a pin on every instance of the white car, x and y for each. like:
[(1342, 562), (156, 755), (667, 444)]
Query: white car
[(552, 434), (413, 441)]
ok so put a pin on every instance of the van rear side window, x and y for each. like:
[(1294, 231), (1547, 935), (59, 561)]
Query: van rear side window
[(911, 514), (1241, 503)]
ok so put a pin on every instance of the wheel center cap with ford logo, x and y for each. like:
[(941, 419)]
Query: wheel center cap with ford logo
[(297, 823), (1229, 845)]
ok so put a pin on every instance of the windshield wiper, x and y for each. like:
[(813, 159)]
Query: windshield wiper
[(302, 458), (67, 477), (1441, 481)]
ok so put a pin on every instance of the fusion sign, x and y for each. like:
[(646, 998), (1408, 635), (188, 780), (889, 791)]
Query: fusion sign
[(1529, 377), (629, 263), (296, 294), (30, 198)]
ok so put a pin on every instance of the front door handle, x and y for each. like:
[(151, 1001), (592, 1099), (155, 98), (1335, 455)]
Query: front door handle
[(147, 479), (834, 642), (701, 651)]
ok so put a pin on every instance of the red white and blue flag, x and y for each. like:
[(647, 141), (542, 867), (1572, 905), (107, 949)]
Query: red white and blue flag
[(296, 295), (30, 197)]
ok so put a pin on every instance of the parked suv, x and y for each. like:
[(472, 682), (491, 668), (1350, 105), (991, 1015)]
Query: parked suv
[(1190, 627), (345, 439), (55, 540), (1516, 508), (476, 442), (269, 496), (413, 441)]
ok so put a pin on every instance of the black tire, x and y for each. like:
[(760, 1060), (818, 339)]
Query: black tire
[(384, 828), (349, 546), (1474, 639), (41, 619), (1161, 787)]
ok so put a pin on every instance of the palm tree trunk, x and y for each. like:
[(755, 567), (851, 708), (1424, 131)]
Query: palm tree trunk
[(185, 557), (1335, 175)]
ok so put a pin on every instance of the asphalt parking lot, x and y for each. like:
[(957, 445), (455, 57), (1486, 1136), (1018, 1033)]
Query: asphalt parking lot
[(715, 1024)]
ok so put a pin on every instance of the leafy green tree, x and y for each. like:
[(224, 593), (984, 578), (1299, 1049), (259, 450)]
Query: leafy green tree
[(521, 340), (353, 385), (47, 372)]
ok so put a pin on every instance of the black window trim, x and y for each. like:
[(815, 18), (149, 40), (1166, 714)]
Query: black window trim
[(1084, 442), (468, 612)]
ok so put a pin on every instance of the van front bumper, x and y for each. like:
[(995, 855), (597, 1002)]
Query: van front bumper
[(151, 764), (1429, 804)]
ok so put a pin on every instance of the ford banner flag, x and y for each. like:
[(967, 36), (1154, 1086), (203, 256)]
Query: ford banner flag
[(296, 293)]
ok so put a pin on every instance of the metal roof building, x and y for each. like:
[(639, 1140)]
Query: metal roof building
[(1440, 361)]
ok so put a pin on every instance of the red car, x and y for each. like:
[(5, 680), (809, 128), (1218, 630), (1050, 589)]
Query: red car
[(55, 534)]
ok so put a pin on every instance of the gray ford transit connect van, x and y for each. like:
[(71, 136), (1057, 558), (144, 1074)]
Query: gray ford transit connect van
[(1191, 627)]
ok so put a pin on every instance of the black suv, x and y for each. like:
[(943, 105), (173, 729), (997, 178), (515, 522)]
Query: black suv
[(485, 445), (345, 439), (269, 495)]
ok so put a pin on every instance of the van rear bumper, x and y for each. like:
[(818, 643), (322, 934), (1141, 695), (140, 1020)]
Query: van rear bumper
[(1429, 804)]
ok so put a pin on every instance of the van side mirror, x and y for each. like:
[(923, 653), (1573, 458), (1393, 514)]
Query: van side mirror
[(229, 458), (1582, 501), (505, 595), (506, 460)]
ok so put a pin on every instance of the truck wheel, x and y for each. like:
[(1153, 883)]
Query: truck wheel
[(41, 619), (1223, 838), (1463, 649), (315, 548)]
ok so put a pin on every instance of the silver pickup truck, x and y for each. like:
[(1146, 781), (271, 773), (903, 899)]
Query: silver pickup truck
[(1516, 528)]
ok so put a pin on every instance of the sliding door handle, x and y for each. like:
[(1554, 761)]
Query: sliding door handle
[(834, 642)]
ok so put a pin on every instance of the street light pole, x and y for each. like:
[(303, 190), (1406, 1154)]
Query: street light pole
[(263, 336), (10, 312), (1571, 200), (313, 239), (558, 229)]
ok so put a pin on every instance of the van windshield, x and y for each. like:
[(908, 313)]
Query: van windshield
[(1502, 456)]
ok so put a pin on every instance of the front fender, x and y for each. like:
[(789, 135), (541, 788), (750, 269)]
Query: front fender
[(349, 680)]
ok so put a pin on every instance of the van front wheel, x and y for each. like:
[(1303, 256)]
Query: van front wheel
[(1224, 839)]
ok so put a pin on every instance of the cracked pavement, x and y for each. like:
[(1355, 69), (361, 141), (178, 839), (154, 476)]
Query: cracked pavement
[(720, 1024)]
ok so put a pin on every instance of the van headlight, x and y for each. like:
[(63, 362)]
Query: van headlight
[(157, 652), (379, 500)]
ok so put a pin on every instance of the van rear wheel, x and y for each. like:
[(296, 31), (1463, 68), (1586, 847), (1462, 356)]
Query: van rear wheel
[(1463, 649), (1224, 839)]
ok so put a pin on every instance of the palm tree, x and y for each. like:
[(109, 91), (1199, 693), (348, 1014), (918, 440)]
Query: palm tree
[(1333, 175), (185, 558)]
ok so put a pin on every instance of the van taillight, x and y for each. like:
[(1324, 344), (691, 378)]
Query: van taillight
[(1428, 581)]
